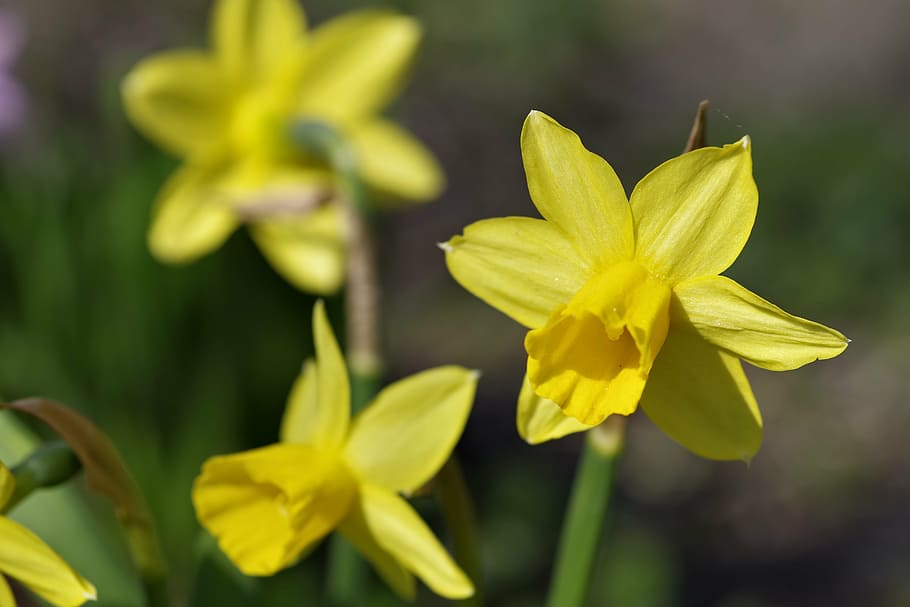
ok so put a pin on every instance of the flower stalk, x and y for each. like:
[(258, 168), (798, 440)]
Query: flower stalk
[(50, 465), (588, 507)]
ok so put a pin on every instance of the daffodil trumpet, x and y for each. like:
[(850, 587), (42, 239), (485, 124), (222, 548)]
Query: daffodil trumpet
[(269, 506)]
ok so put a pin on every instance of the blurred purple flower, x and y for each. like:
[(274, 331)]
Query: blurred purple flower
[(12, 95)]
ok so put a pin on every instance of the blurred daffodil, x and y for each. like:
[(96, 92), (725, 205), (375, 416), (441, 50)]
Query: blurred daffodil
[(24, 557), (623, 298), (228, 113), (268, 506)]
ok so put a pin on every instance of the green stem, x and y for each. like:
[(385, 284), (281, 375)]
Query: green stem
[(51, 464), (455, 502), (587, 510)]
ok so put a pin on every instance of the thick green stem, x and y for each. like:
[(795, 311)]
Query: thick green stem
[(455, 502), (52, 464), (584, 520)]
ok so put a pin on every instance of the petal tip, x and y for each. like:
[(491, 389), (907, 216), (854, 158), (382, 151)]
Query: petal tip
[(446, 246), (538, 116), (746, 142), (475, 374)]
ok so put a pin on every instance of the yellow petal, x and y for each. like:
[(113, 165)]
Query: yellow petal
[(576, 191), (693, 214), (179, 99), (307, 250), (267, 506), (356, 64), (192, 215), (733, 318), (394, 163), (399, 579), (400, 532), (254, 37), (523, 267), (408, 432), (26, 558), (7, 485), (593, 356), (540, 420), (702, 399), (6, 594), (320, 402), (302, 412)]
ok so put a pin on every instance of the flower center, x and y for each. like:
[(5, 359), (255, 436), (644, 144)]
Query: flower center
[(593, 356), (257, 123)]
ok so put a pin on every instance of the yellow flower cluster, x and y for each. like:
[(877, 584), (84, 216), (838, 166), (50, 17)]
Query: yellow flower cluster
[(622, 297)]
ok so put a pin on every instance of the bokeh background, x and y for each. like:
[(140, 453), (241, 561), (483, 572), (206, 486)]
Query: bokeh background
[(178, 363)]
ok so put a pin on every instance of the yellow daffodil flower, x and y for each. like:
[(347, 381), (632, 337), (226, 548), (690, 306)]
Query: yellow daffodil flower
[(227, 112), (24, 557), (623, 298), (268, 506)]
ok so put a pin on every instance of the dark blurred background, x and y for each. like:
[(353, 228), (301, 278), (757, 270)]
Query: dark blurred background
[(179, 363)]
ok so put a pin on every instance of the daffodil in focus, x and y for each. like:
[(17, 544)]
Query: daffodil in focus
[(227, 112), (268, 506), (27, 559), (623, 298)]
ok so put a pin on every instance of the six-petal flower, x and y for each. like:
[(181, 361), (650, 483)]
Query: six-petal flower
[(227, 112), (269, 505), (623, 298)]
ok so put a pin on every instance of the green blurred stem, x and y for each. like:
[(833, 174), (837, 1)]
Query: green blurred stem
[(455, 502), (588, 506), (347, 571), (50, 465)]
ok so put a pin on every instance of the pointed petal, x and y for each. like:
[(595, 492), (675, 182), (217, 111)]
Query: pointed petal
[(694, 213), (267, 506), (393, 162), (318, 408), (408, 432), (328, 425), (253, 37), (307, 250), (7, 485), (540, 420), (356, 64), (400, 532), (302, 411), (178, 99), (731, 317), (576, 190), (523, 267), (399, 579), (26, 558), (192, 215), (701, 398)]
